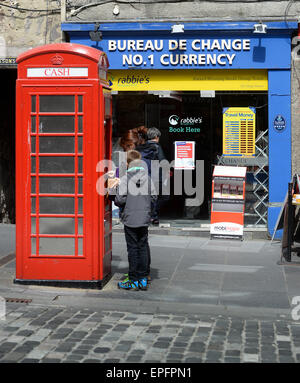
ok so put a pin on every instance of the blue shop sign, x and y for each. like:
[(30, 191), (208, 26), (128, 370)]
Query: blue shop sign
[(201, 52), (191, 52), (279, 123)]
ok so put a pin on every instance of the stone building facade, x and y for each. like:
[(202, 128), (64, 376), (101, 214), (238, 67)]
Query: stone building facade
[(25, 24)]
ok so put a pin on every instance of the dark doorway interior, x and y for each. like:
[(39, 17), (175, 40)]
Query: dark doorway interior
[(7, 145)]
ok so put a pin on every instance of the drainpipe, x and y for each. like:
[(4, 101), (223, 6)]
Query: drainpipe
[(63, 17), (63, 11)]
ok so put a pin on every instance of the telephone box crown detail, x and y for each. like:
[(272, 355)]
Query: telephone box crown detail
[(57, 59)]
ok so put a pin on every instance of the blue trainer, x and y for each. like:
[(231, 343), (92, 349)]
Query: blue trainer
[(128, 285), (143, 284)]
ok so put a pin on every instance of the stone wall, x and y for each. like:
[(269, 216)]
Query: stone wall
[(38, 23), (21, 30), (172, 10)]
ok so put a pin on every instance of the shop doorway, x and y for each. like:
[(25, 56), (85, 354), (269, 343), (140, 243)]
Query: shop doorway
[(7, 145), (132, 109)]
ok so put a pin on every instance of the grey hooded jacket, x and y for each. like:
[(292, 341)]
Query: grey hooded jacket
[(134, 196)]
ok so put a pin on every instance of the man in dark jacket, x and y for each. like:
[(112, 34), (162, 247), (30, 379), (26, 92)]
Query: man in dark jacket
[(134, 196), (151, 150)]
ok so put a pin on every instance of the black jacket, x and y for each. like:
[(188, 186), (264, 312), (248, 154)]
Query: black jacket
[(151, 150)]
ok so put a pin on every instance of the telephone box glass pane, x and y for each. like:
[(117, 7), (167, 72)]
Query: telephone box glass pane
[(57, 144), (33, 246), (57, 246), (79, 144), (80, 207), (57, 103), (56, 164), (107, 224), (33, 225), (79, 164), (33, 104), (80, 190), (80, 226), (80, 246), (33, 205), (57, 124), (79, 124), (33, 185), (57, 185), (33, 164), (33, 144), (56, 205), (80, 104), (57, 225), (33, 124)]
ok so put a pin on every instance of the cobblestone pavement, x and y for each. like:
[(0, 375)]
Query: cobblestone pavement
[(37, 333), (209, 301)]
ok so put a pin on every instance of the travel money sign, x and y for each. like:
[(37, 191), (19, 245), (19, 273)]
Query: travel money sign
[(195, 53)]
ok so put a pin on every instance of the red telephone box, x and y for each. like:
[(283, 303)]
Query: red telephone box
[(63, 129)]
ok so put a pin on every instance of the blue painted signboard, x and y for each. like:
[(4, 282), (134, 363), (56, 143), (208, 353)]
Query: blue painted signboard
[(153, 46)]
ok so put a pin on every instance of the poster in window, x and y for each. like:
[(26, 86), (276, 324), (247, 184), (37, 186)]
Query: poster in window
[(185, 155)]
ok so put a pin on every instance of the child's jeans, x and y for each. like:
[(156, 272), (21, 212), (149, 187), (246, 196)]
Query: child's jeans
[(137, 248)]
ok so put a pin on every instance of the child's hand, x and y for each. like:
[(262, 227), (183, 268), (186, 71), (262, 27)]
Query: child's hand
[(110, 174), (113, 182)]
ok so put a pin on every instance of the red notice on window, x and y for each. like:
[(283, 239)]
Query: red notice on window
[(184, 154)]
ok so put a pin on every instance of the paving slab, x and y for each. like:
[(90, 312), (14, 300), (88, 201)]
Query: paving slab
[(189, 274)]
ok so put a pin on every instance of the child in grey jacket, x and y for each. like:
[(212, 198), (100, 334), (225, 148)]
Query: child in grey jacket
[(134, 196)]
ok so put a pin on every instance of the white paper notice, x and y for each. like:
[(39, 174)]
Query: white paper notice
[(184, 154)]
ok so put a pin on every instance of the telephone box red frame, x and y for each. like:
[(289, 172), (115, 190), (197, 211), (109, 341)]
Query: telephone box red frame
[(63, 129)]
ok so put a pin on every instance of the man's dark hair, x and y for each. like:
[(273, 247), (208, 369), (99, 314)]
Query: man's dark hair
[(153, 133)]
